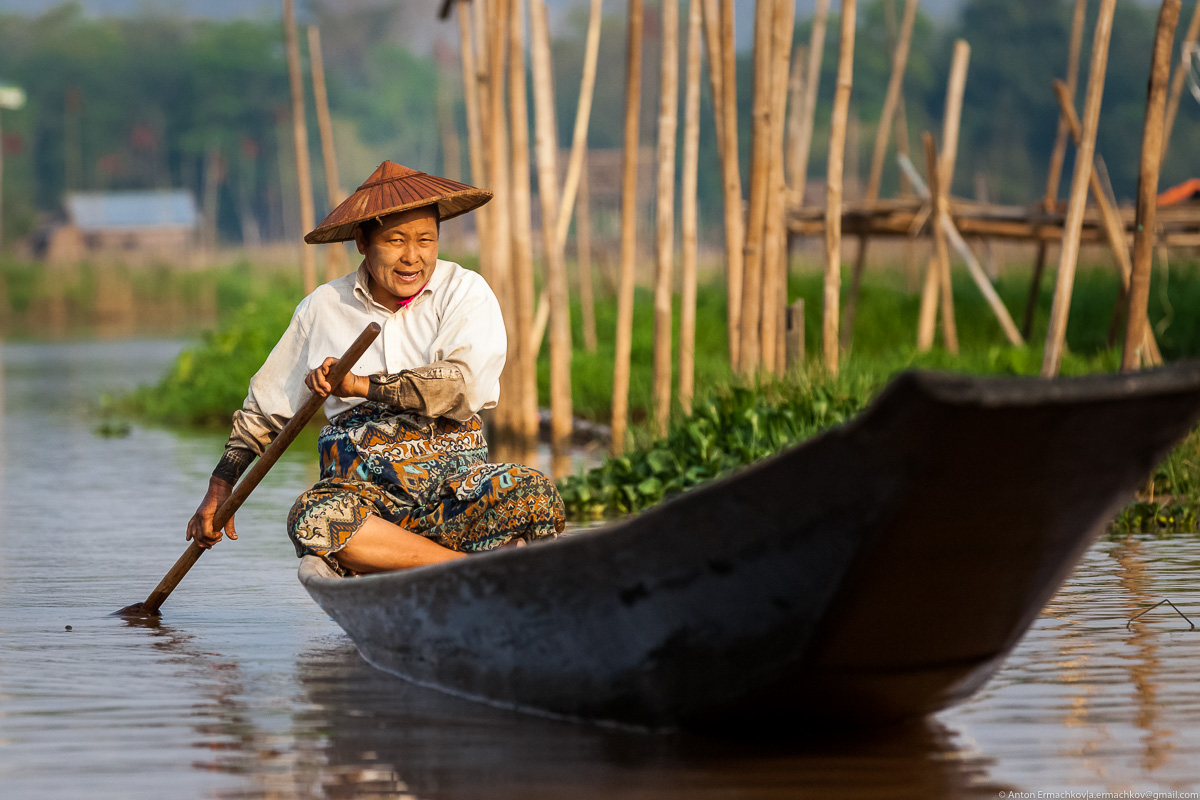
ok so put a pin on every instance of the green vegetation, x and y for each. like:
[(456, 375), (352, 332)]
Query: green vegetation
[(729, 429), (1170, 501), (736, 425), (741, 423), (208, 382)]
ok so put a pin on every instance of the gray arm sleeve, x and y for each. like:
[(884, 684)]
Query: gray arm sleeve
[(435, 390)]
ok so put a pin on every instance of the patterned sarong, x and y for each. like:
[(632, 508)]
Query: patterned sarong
[(429, 476)]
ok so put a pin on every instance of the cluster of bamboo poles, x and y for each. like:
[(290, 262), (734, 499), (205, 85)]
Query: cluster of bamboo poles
[(1139, 344), (335, 256), (936, 298), (493, 49), (1133, 269), (756, 237)]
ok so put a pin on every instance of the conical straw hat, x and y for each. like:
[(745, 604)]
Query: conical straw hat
[(393, 188)]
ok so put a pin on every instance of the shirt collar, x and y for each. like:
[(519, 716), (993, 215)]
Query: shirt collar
[(362, 286)]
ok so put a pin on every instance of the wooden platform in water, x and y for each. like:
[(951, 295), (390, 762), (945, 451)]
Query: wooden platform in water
[(1179, 226)]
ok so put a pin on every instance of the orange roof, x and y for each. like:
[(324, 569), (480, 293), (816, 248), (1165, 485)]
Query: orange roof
[(1181, 193)]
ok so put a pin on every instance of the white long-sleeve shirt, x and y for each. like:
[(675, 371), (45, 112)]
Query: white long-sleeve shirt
[(454, 319)]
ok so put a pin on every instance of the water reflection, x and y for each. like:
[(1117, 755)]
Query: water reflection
[(1144, 667), (381, 736)]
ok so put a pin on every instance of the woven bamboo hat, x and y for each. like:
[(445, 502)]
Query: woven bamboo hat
[(393, 188)]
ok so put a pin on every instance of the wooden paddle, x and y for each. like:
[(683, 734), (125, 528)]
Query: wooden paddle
[(253, 476)]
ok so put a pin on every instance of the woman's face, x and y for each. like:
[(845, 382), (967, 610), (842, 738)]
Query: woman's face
[(400, 254)]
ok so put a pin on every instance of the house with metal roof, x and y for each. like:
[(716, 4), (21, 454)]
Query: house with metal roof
[(124, 223)]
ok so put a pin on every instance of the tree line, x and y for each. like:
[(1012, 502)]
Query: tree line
[(156, 101)]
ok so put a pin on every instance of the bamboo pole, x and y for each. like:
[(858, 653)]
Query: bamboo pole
[(541, 319), (1114, 227), (498, 25), (624, 333), (774, 297), (522, 355), (688, 210), (483, 84), (712, 46), (959, 244), (507, 415), (1057, 157), (1147, 206), (951, 124), (795, 89), (1189, 39), (891, 101), (812, 78), (938, 202), (583, 114), (300, 136), (833, 195), (583, 241), (796, 83), (546, 141), (952, 120), (901, 119), (927, 317), (756, 212), (1057, 333), (731, 176), (730, 172), (471, 102), (336, 264), (668, 124)]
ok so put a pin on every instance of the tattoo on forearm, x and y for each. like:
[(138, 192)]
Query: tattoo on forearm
[(233, 463)]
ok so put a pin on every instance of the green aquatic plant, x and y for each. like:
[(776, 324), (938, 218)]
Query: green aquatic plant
[(730, 428), (207, 383)]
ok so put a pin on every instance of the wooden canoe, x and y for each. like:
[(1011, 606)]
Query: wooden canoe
[(879, 571)]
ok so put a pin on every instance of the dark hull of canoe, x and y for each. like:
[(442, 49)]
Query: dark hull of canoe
[(883, 570)]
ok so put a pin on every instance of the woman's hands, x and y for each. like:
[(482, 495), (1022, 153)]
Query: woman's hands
[(351, 386), (200, 526)]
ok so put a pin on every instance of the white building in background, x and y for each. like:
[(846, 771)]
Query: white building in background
[(127, 223)]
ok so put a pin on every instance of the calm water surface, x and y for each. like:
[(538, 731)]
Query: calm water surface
[(246, 689)]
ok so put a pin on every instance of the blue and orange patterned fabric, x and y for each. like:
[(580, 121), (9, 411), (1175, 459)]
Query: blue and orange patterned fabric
[(427, 475)]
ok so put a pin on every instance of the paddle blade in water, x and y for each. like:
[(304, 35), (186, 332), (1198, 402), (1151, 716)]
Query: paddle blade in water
[(136, 610)]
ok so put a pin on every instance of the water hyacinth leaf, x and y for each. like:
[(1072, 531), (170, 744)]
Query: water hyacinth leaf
[(650, 487), (661, 462)]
